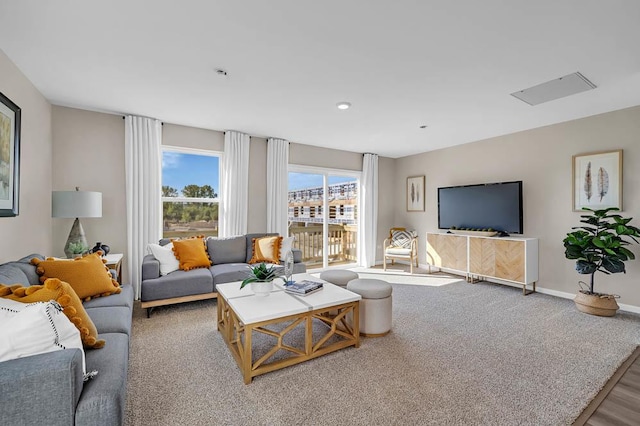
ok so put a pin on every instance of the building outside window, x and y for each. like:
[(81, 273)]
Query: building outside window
[(190, 192)]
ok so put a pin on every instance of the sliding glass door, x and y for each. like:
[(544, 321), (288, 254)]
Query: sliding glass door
[(323, 215)]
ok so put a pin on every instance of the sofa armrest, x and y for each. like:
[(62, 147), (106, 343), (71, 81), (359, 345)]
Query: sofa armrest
[(297, 255), (41, 389), (150, 267)]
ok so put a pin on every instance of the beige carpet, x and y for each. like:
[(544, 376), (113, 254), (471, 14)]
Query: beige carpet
[(458, 354)]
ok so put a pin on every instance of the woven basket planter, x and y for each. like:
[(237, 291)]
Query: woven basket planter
[(602, 305)]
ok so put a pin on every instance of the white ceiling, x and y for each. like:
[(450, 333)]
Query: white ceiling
[(448, 64)]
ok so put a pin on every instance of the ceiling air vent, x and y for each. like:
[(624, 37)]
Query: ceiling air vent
[(555, 89)]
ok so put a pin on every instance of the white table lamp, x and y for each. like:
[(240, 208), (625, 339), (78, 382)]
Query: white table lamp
[(76, 204)]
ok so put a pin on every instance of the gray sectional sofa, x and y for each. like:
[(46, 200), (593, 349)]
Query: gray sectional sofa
[(48, 388), (230, 257)]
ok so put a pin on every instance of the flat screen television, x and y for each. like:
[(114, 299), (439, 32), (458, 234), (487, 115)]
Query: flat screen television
[(491, 205)]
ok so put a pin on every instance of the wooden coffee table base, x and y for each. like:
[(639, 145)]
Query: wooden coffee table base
[(238, 336)]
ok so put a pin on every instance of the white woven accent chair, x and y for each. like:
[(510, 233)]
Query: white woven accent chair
[(403, 245)]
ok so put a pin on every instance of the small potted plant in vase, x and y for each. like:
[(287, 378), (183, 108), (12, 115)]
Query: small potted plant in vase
[(261, 279), (599, 245), (76, 250)]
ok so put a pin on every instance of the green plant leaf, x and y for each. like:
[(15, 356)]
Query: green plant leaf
[(613, 265), (627, 253), (596, 241), (584, 267)]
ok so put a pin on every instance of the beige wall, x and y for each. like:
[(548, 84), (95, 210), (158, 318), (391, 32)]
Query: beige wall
[(30, 231), (89, 153), (307, 155), (257, 214), (541, 158), (192, 137)]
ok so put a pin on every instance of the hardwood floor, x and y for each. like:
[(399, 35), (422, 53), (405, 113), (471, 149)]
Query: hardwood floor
[(618, 404)]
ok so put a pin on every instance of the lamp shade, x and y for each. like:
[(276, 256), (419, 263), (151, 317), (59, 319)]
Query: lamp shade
[(76, 204)]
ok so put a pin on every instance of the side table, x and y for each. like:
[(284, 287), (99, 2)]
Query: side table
[(114, 261)]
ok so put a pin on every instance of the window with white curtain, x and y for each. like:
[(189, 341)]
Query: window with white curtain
[(190, 192)]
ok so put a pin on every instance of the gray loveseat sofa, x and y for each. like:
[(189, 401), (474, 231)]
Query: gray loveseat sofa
[(230, 257), (48, 388)]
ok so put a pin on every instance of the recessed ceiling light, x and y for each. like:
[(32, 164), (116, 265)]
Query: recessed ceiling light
[(343, 105), (221, 72)]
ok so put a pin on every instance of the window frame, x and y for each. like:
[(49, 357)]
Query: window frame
[(181, 199), (327, 172)]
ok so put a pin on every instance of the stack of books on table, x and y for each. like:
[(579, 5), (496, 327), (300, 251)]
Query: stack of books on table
[(302, 288)]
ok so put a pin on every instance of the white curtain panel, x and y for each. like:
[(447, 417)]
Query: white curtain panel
[(143, 165), (369, 200), (235, 184), (277, 186)]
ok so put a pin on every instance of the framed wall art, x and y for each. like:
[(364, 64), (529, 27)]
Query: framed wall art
[(415, 194), (9, 156), (597, 180)]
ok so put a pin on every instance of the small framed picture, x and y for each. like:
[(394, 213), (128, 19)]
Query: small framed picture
[(9, 156), (597, 180), (415, 194)]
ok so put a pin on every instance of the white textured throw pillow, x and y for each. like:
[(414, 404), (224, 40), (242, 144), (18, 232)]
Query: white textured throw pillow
[(166, 257), (287, 245), (35, 328)]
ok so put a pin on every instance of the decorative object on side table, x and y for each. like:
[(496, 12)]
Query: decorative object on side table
[(599, 246), (9, 156), (76, 204), (288, 267), (261, 279), (77, 249), (99, 246)]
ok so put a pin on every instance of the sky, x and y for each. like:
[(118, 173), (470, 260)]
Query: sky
[(181, 169), (308, 180)]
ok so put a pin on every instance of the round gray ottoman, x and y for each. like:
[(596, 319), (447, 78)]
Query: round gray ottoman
[(375, 306), (338, 276)]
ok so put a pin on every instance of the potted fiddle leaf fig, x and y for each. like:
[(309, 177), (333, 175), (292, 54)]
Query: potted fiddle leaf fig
[(599, 245), (261, 279)]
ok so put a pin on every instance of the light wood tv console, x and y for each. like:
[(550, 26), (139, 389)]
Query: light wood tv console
[(505, 259)]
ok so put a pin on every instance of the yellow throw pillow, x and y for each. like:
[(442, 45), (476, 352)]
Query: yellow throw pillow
[(266, 249), (87, 275), (191, 253), (61, 292)]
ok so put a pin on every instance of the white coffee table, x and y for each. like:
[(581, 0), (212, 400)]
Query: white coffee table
[(240, 313)]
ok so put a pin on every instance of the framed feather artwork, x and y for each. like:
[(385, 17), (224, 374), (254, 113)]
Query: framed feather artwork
[(597, 180), (415, 194)]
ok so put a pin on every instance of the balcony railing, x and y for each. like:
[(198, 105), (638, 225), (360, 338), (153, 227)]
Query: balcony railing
[(342, 243)]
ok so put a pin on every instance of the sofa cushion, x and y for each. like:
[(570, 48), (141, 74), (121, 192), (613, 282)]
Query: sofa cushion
[(177, 284), (165, 255), (111, 319), (124, 298), (103, 397), (88, 275), (41, 389), (28, 268), (249, 243), (11, 274), (191, 253), (266, 250), (228, 272), (227, 250), (34, 328), (61, 292)]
